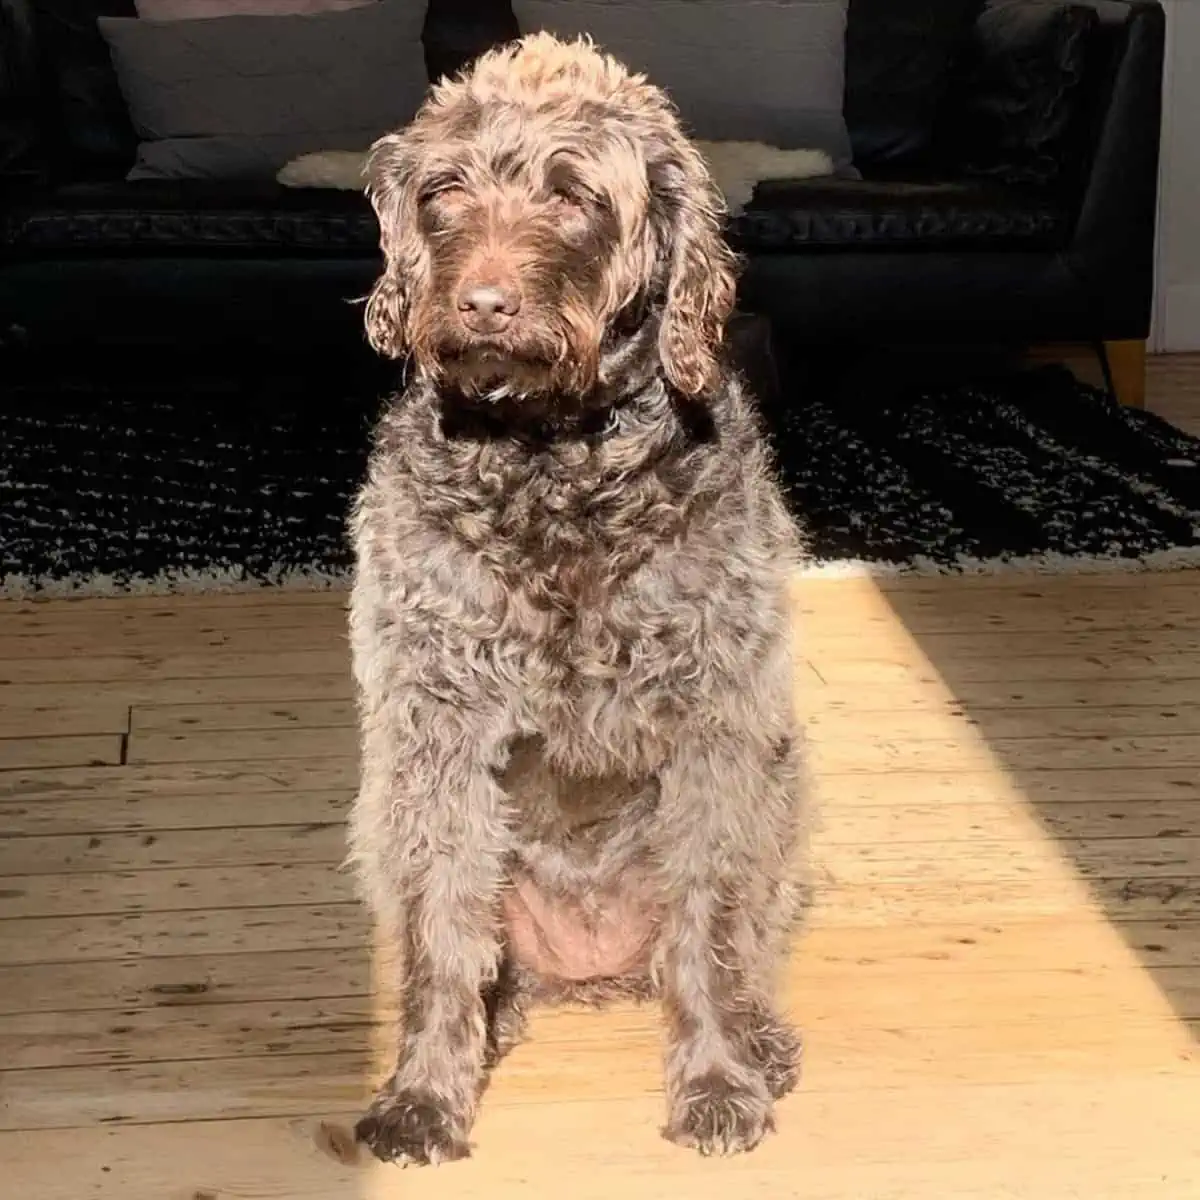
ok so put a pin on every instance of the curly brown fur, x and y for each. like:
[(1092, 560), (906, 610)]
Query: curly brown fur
[(580, 772)]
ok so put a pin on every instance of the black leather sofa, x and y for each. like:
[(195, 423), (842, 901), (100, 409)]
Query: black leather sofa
[(959, 232)]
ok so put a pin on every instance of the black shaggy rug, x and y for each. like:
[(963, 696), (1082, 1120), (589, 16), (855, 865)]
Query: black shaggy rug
[(224, 478)]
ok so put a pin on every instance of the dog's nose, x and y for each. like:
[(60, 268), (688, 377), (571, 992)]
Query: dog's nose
[(488, 308)]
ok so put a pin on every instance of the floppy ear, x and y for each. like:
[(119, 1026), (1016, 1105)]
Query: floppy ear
[(700, 267), (392, 192)]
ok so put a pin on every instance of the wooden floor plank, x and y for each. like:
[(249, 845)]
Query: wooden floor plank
[(346, 1023), (870, 754), (977, 697), (120, 669), (185, 719), (1153, 917), (946, 968), (861, 606), (254, 846), (220, 600), (965, 783), (138, 640), (22, 753), (28, 718), (1173, 389), (181, 889), (1001, 724), (1155, 838), (232, 812), (1001, 649), (152, 747), (189, 979), (844, 720), (846, 645), (914, 669), (1153, 878), (892, 989), (1015, 755), (164, 618), (1160, 836), (987, 783), (345, 1015), (320, 652), (39, 925), (196, 931), (250, 777), (239, 689)]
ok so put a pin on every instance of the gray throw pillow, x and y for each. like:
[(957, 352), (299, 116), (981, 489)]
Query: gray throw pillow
[(769, 71), (228, 159), (256, 91)]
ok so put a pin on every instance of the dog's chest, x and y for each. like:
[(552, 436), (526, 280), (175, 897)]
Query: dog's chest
[(583, 628), (575, 596), (600, 667)]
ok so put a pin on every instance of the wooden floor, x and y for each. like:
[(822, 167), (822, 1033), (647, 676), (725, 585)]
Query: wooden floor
[(1000, 984)]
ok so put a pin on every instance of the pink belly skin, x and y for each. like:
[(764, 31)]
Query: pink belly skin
[(557, 939)]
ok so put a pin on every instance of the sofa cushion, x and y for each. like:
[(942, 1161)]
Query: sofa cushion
[(1020, 90), (173, 217), (900, 56), (168, 217), (93, 130), (459, 31), (894, 213), (227, 159), (22, 141), (194, 10), (738, 70), (329, 81)]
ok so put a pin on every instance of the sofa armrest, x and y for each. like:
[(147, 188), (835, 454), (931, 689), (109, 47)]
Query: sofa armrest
[(1113, 248)]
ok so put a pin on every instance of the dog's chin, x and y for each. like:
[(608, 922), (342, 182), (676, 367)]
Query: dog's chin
[(496, 374), (490, 375)]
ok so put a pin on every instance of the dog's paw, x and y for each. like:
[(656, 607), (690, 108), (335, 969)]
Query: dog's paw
[(411, 1129), (776, 1049), (716, 1115)]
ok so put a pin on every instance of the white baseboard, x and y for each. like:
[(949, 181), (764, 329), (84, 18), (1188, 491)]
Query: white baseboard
[(1180, 318)]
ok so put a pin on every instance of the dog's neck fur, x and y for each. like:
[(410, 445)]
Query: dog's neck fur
[(629, 364), (530, 509)]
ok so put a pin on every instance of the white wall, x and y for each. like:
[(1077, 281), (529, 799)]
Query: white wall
[(1177, 307)]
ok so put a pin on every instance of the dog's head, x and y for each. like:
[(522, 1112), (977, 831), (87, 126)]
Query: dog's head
[(536, 206)]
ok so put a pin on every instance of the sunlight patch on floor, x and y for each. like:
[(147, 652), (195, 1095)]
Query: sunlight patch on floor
[(956, 844)]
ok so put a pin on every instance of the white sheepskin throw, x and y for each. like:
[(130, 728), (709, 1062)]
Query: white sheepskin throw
[(341, 169), (736, 167)]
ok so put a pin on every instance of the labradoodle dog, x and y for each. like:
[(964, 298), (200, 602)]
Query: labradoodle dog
[(570, 629)]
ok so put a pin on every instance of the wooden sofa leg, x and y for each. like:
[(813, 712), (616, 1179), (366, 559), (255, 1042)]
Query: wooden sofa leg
[(1127, 371)]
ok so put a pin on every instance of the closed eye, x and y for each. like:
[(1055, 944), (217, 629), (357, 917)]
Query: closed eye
[(576, 200), (565, 188), (440, 206), (445, 191), (564, 198)]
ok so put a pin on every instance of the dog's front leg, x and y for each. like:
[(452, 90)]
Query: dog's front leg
[(728, 821), (429, 836)]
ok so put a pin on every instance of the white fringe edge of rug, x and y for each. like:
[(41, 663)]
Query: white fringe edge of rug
[(315, 579)]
